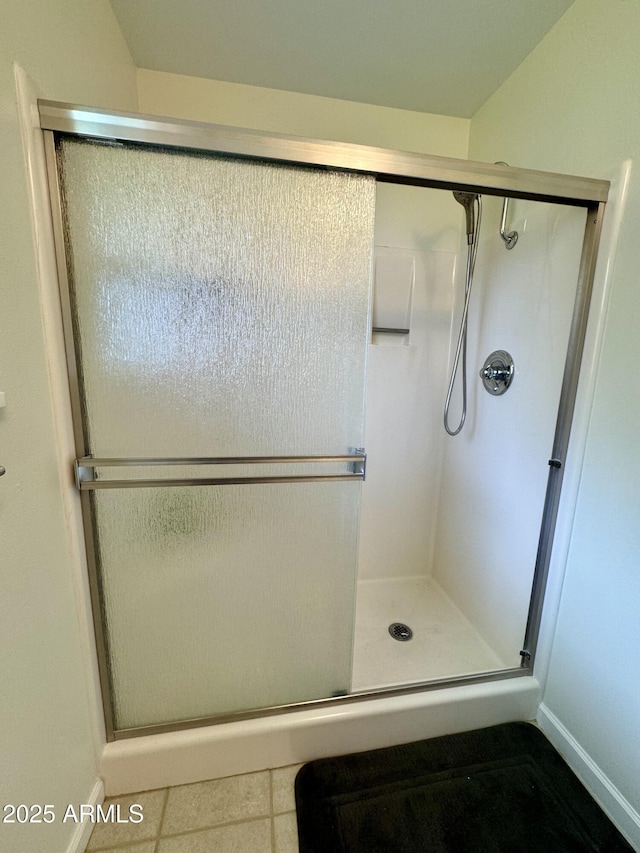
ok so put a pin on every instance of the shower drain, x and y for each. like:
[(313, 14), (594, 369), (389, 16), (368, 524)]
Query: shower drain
[(400, 631)]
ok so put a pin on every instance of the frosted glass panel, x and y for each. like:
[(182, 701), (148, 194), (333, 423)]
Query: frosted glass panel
[(223, 599), (221, 308), (222, 300)]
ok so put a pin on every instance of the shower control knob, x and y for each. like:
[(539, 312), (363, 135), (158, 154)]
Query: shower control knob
[(3, 470), (497, 372)]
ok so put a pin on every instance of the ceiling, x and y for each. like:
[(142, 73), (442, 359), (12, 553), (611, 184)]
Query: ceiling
[(437, 56)]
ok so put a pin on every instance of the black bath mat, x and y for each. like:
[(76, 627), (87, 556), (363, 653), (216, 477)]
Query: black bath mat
[(498, 790)]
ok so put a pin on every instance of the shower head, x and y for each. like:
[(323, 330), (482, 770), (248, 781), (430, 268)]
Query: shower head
[(467, 200)]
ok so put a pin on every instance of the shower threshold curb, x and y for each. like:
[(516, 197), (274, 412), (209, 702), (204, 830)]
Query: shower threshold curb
[(245, 746)]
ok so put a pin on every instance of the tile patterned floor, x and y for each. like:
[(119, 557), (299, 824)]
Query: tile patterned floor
[(253, 813)]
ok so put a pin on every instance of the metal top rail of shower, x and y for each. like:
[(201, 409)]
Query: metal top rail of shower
[(86, 479), (387, 165)]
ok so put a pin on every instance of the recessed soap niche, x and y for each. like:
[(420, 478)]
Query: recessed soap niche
[(393, 286)]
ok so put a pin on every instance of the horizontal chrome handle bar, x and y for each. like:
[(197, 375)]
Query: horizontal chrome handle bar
[(85, 479), (92, 462), (84, 485)]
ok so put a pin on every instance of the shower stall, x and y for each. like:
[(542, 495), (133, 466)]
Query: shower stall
[(259, 353)]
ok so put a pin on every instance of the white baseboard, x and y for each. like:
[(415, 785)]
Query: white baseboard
[(82, 833), (608, 797)]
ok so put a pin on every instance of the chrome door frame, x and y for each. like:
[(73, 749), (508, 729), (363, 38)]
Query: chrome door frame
[(386, 166)]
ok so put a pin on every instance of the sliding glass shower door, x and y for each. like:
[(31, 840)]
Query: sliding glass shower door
[(219, 310)]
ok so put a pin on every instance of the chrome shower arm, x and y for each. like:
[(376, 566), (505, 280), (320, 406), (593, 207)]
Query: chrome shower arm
[(511, 238)]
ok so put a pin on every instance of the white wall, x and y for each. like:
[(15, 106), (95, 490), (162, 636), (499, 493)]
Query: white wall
[(73, 50), (571, 107), (255, 107)]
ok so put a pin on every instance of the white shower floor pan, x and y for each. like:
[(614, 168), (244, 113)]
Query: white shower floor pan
[(444, 643)]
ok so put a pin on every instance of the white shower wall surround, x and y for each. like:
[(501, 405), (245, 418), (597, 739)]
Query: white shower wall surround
[(464, 512), (494, 474), (403, 427), (405, 377)]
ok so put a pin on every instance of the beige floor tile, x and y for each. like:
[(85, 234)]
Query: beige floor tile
[(251, 837), (112, 833), (286, 833), (282, 780), (145, 847), (219, 801)]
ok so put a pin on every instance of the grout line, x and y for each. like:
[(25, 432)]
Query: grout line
[(163, 812), (271, 792), (126, 845), (208, 828), (273, 826), (158, 838)]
